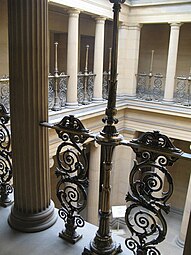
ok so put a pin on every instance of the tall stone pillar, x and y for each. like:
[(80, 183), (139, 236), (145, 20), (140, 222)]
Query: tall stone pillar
[(98, 58), (171, 62), (28, 34), (129, 42), (93, 189), (72, 58)]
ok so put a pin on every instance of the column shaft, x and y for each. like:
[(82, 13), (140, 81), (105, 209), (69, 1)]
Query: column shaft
[(72, 57), (171, 62), (98, 58), (93, 190), (28, 65)]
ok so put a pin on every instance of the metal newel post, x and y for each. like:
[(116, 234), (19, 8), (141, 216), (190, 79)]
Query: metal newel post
[(57, 104), (86, 75), (108, 139)]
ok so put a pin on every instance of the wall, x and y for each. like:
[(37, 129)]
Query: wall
[(184, 53), (154, 37)]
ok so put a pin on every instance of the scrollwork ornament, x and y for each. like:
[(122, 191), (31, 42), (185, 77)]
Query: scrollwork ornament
[(148, 196), (5, 159), (71, 171)]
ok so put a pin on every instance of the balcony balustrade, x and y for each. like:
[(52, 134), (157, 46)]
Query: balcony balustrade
[(150, 87), (183, 90)]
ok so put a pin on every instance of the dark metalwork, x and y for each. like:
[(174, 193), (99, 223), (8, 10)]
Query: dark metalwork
[(5, 159), (62, 89), (57, 86), (183, 90), (89, 88), (108, 138), (85, 83), (4, 91), (106, 78), (150, 87), (71, 171), (148, 196)]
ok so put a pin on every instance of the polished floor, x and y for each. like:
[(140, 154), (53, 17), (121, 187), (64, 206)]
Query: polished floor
[(48, 243)]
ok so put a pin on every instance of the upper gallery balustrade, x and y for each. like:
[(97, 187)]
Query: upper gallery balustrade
[(150, 87)]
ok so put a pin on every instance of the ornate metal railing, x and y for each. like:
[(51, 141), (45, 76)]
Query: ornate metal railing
[(147, 199), (57, 88), (105, 87), (5, 159), (71, 171), (183, 90), (150, 87), (4, 91), (85, 87), (85, 84)]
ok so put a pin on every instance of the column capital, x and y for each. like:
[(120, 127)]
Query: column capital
[(99, 19), (74, 12), (123, 25), (175, 25), (134, 26)]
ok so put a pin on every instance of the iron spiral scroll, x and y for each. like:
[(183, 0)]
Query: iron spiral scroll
[(151, 187), (5, 159), (72, 169)]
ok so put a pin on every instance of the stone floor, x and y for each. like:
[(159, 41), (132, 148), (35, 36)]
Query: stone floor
[(47, 242)]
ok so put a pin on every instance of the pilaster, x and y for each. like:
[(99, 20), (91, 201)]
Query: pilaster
[(129, 42)]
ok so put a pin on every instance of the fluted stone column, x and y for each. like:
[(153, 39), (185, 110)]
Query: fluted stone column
[(72, 57), (129, 43), (98, 58), (93, 189), (171, 62), (28, 31)]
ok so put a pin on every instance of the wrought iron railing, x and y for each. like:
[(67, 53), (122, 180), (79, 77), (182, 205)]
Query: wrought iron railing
[(4, 91), (105, 87), (85, 87), (148, 196), (72, 173), (150, 87), (5, 159), (183, 90), (57, 88)]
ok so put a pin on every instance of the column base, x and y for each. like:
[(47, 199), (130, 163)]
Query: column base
[(71, 105), (97, 99), (32, 222), (169, 101), (180, 242), (114, 249)]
